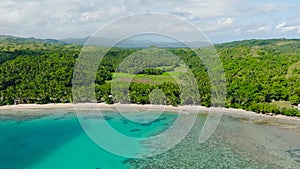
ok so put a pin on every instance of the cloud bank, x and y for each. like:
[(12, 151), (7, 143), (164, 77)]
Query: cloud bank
[(220, 20)]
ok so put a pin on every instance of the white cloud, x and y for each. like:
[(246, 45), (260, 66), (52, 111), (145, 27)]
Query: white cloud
[(281, 25), (73, 18), (226, 21), (91, 16), (264, 28), (284, 27), (12, 13)]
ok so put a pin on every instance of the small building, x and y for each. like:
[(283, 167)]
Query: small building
[(298, 106), (16, 101)]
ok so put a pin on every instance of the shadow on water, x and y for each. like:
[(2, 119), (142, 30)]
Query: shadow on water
[(135, 130), (295, 154), (139, 128), (25, 143)]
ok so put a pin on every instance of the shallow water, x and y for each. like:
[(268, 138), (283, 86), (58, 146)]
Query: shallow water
[(58, 141)]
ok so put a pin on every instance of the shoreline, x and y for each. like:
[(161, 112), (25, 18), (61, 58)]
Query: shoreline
[(21, 108)]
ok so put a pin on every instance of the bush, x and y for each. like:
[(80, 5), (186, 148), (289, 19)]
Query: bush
[(291, 112), (152, 71)]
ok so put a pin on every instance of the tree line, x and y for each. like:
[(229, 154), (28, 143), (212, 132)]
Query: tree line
[(258, 74)]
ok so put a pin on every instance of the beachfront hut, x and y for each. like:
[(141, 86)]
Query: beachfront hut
[(16, 101)]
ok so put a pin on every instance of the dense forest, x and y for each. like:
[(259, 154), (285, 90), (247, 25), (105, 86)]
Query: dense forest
[(261, 75)]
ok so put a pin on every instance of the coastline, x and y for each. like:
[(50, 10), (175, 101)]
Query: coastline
[(44, 108)]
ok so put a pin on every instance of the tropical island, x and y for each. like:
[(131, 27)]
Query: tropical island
[(261, 75)]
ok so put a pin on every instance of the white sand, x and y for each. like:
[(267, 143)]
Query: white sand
[(22, 108)]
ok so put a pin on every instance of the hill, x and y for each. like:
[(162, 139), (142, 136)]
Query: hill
[(262, 75), (131, 43), (32, 40)]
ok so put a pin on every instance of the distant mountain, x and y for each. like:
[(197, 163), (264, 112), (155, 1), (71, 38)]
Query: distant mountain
[(90, 40), (19, 40), (79, 41), (130, 43), (257, 42), (148, 43)]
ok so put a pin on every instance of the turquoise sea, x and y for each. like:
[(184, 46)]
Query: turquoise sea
[(57, 141)]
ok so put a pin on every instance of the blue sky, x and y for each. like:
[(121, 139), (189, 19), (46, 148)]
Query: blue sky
[(220, 20)]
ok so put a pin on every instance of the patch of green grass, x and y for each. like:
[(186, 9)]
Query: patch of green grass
[(181, 68), (282, 104), (285, 43), (150, 79), (121, 75), (157, 78), (171, 76), (142, 78), (293, 70), (164, 67), (174, 74)]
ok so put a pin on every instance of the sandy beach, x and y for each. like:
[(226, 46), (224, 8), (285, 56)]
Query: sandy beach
[(45, 108)]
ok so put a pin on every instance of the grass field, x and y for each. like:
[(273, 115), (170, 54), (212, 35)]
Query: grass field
[(171, 76), (282, 104)]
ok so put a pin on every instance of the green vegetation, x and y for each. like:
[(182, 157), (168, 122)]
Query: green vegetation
[(151, 71), (257, 79), (293, 70), (261, 75)]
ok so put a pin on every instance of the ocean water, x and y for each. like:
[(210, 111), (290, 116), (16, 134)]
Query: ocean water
[(58, 141)]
